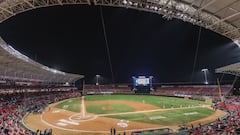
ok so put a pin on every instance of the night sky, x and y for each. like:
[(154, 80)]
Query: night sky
[(71, 39)]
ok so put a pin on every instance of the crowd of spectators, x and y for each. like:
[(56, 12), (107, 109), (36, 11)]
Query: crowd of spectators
[(227, 125), (194, 92), (107, 89), (13, 107)]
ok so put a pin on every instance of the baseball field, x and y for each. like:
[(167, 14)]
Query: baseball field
[(96, 114)]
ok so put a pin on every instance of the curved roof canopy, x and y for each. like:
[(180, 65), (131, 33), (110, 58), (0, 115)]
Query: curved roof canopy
[(221, 16), (16, 66), (233, 69)]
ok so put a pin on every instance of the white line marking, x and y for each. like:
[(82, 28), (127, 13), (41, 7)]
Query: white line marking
[(83, 109), (190, 113), (156, 117), (67, 129), (78, 118), (56, 111), (61, 124), (65, 107), (69, 122)]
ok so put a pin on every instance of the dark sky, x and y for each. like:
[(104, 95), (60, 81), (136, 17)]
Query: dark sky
[(71, 39)]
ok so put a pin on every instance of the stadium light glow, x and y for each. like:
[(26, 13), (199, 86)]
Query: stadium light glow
[(67, 84), (237, 42), (204, 70), (14, 52), (97, 83), (205, 75), (167, 13), (53, 70)]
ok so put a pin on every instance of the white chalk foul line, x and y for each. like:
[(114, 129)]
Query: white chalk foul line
[(56, 111), (190, 113), (61, 124), (69, 122)]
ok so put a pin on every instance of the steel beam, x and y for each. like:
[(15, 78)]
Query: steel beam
[(223, 19)]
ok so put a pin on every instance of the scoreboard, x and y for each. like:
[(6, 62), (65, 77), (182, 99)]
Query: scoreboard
[(142, 83)]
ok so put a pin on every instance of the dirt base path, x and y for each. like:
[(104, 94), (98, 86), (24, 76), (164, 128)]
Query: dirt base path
[(209, 119)]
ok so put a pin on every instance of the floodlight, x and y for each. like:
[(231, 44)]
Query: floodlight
[(97, 83), (204, 70), (237, 42), (205, 75)]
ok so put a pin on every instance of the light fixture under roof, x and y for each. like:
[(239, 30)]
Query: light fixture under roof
[(204, 70), (237, 42)]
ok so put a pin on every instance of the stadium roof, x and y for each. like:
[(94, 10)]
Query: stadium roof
[(16, 66), (233, 69), (220, 16)]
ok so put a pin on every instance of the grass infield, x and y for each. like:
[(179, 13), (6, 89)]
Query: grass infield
[(73, 105)]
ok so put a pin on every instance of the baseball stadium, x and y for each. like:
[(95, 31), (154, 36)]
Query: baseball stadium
[(119, 67)]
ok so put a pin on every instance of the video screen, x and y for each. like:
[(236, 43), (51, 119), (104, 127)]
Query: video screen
[(141, 81)]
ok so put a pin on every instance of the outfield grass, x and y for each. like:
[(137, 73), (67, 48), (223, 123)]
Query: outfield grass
[(168, 117), (171, 117), (159, 101), (73, 105), (108, 108)]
